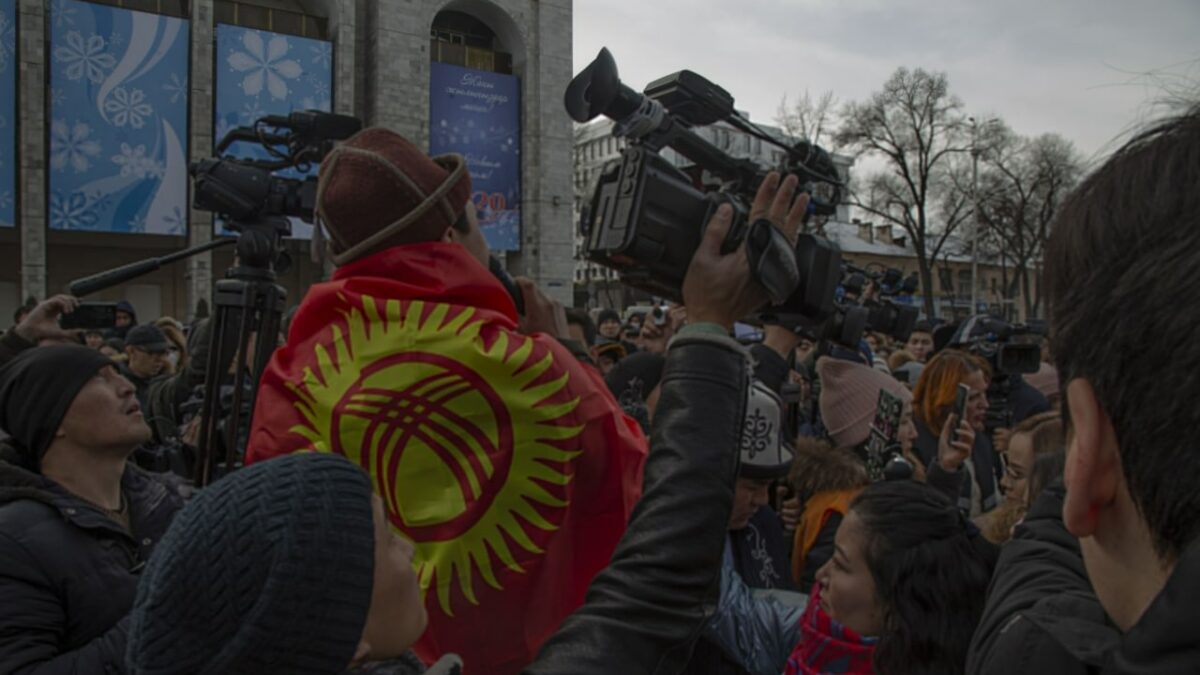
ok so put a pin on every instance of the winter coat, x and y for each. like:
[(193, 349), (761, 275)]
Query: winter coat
[(1041, 614), (1166, 640), (757, 630), (69, 573), (761, 560), (645, 610)]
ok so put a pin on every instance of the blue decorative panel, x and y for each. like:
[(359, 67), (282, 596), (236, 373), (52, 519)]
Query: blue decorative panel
[(478, 114), (118, 120), (8, 112), (264, 73)]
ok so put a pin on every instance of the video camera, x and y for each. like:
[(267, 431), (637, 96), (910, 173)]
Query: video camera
[(850, 320), (244, 190), (646, 217), (1011, 351)]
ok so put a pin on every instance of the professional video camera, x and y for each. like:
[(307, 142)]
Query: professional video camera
[(884, 314), (256, 204), (1011, 350), (647, 216)]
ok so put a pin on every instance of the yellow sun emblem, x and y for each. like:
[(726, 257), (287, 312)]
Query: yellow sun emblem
[(463, 440)]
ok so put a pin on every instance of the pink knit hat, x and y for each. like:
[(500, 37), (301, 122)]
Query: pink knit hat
[(849, 396)]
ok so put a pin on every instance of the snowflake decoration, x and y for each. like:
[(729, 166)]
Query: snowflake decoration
[(72, 213), (175, 87), (128, 107), (322, 54), (72, 145), (116, 40), (84, 59), (320, 87), (57, 96), (8, 37), (61, 15), (6, 200), (134, 162), (223, 129), (264, 64), (137, 224), (251, 112), (174, 221)]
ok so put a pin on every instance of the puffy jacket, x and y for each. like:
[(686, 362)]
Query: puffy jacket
[(645, 611), (757, 629), (1041, 614), (68, 573)]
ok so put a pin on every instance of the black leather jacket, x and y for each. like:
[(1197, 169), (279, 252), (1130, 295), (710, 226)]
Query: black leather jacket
[(645, 611)]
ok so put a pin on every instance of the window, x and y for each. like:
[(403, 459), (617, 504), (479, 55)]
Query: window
[(460, 39), (168, 7), (249, 15)]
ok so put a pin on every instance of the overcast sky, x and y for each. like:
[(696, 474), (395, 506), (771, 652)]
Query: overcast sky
[(1075, 67)]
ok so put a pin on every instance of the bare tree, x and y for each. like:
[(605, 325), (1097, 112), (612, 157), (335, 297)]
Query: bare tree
[(1022, 182), (915, 126), (812, 119)]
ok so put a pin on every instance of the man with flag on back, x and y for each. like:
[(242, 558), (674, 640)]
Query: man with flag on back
[(503, 458)]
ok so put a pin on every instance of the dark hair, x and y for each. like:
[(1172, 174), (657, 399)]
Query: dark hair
[(819, 467), (1047, 468), (930, 576), (579, 317), (1123, 253)]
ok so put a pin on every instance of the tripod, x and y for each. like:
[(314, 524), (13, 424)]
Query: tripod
[(248, 305)]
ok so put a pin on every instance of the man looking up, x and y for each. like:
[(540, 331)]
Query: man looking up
[(77, 521)]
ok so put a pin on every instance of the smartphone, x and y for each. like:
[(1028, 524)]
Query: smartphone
[(660, 316), (91, 316), (960, 410), (882, 443)]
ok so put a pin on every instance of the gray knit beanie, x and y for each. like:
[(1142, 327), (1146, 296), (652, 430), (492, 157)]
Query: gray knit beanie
[(269, 570)]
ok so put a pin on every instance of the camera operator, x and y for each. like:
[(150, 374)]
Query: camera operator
[(77, 520)]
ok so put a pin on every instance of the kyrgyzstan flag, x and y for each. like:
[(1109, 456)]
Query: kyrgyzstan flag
[(506, 461)]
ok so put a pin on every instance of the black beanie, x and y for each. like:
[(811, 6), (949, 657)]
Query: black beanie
[(36, 389), (269, 570)]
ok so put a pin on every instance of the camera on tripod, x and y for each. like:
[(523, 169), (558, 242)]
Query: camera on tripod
[(646, 217)]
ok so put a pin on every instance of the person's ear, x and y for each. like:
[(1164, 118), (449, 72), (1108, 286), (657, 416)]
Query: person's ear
[(1093, 469)]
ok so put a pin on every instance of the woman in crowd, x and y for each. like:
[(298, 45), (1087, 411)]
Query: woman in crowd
[(875, 608), (1037, 436), (850, 395), (933, 407), (177, 359)]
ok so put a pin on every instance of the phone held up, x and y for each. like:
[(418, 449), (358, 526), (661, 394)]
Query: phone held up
[(90, 316), (960, 410)]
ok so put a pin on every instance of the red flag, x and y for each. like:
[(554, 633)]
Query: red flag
[(506, 461)]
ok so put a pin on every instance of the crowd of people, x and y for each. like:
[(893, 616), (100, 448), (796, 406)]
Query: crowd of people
[(663, 497)]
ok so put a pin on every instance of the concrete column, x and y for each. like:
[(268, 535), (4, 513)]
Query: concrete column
[(397, 67), (31, 91), (548, 242), (198, 277)]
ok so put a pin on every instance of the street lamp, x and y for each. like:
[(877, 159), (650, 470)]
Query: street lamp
[(975, 198)]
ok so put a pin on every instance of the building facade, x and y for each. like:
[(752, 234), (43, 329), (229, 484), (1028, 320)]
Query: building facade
[(112, 100)]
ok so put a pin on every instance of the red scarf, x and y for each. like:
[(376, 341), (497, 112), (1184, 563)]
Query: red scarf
[(826, 646)]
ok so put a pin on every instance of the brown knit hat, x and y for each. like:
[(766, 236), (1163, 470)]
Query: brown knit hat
[(849, 397), (378, 190)]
